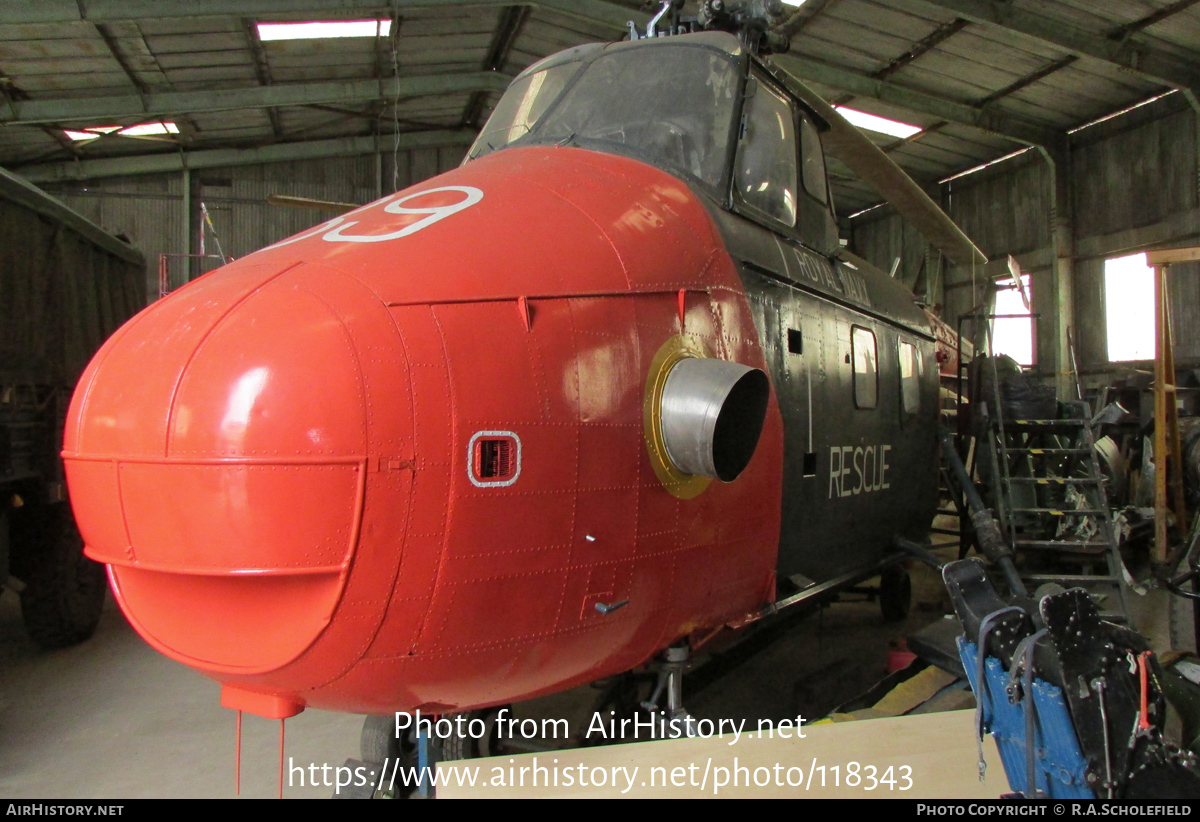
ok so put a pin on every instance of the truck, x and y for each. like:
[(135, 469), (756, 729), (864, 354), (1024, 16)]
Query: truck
[(65, 286)]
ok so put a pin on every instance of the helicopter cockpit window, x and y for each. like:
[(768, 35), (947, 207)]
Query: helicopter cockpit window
[(670, 105), (766, 167), (866, 379), (522, 105), (813, 160)]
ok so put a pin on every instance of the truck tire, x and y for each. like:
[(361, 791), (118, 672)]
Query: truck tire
[(378, 743), (64, 590)]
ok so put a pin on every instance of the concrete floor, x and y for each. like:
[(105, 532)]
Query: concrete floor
[(112, 718)]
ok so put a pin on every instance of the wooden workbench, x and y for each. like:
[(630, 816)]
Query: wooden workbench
[(938, 747)]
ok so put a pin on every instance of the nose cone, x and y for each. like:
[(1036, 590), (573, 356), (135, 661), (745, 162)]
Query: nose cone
[(216, 456)]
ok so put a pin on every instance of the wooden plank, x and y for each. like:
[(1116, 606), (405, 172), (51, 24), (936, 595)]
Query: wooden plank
[(1166, 256), (939, 749)]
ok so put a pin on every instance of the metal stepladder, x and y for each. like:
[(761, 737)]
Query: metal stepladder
[(1047, 488), (1051, 502)]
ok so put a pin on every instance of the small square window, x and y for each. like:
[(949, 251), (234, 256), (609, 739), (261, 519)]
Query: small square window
[(910, 379), (866, 372), (795, 341)]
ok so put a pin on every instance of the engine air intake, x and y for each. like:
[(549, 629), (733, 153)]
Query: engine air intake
[(712, 416)]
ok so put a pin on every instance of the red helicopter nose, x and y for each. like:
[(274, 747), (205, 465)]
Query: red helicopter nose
[(216, 454), (400, 460)]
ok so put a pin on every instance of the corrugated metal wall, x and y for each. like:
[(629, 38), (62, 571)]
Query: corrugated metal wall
[(1185, 311), (1135, 183), (1005, 209), (149, 209), (1136, 170), (887, 236), (1091, 342), (1136, 186)]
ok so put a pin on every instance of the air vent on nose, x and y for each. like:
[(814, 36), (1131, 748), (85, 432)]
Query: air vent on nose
[(494, 458)]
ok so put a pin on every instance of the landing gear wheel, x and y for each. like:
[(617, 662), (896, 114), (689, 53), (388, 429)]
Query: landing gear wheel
[(895, 594), (64, 590)]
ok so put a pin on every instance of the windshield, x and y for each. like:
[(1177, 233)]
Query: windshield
[(522, 105), (671, 105), (766, 167)]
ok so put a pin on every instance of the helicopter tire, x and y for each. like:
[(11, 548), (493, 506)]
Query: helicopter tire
[(895, 593), (64, 590)]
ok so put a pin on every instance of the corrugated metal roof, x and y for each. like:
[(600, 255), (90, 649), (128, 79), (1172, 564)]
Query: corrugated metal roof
[(1052, 64)]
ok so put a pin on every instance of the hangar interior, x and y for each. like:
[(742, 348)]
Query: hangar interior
[(1059, 135)]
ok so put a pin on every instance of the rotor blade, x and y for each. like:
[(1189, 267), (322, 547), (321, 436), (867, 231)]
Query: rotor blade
[(865, 158), (305, 202)]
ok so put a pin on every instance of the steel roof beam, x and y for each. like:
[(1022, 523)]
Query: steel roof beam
[(936, 38), (215, 158), (1028, 80), (1126, 51), (800, 18), (159, 104), (1149, 20), (107, 11), (994, 122), (262, 70), (512, 20)]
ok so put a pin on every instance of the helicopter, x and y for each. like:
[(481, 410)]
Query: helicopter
[(609, 388)]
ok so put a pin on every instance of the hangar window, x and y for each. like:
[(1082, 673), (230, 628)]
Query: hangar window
[(866, 373), (1129, 308), (910, 379), (766, 168), (1012, 329), (323, 29)]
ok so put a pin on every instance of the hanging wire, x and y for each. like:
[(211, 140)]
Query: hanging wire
[(393, 41)]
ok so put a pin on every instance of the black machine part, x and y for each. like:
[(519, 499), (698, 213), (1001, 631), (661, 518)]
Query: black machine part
[(756, 22), (975, 600), (1100, 678), (987, 532)]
